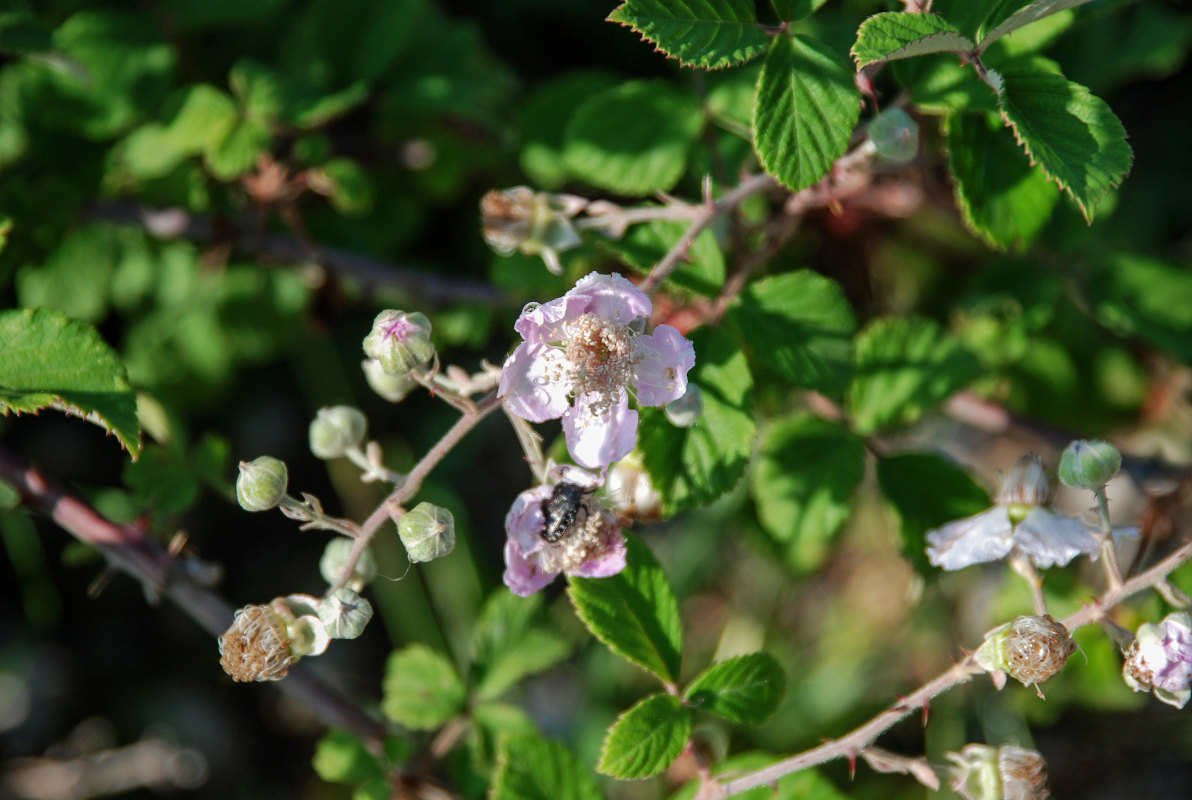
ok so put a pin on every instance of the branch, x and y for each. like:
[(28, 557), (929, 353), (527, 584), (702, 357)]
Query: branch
[(370, 272), (855, 742), (127, 548)]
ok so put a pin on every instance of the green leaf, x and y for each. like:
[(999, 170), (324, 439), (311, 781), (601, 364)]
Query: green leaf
[(341, 758), (76, 277), (21, 33), (53, 361), (346, 184), (161, 481), (1002, 198), (1072, 134), (898, 34), (421, 688), (1139, 296), (745, 689), (533, 768), (1010, 15), (795, 10), (699, 33), (807, 106), (204, 116), (803, 485), (507, 645), (927, 490), (644, 245), (633, 139), (237, 151), (646, 738), (634, 612), (314, 112), (903, 368), (695, 465), (801, 325), (257, 89), (940, 84), (543, 119)]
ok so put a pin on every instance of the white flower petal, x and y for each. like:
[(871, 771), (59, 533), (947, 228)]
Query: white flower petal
[(666, 356), (1051, 539), (611, 297), (987, 536), (597, 440)]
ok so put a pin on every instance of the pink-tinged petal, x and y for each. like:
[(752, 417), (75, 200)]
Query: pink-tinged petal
[(1051, 539), (597, 440), (522, 575), (611, 297), (987, 536), (539, 322), (524, 522), (526, 386), (610, 563), (666, 356)]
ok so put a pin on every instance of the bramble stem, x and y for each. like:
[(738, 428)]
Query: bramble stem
[(1113, 571), (855, 742)]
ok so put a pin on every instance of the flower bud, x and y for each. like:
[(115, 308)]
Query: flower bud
[(427, 531), (336, 430), (1089, 464), (981, 772), (529, 221), (393, 388), (686, 411), (400, 341), (344, 613), (631, 494), (895, 136), (1160, 658), (1029, 649), (262, 483), (335, 561), (1027, 484)]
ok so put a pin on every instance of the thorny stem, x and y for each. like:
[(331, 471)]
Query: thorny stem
[(855, 742), (1113, 571), (127, 548), (413, 480), (707, 214)]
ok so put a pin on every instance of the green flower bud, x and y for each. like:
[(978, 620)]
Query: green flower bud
[(393, 388), (1029, 649), (335, 430), (344, 613), (400, 341), (981, 772), (686, 411), (427, 531), (895, 136), (1089, 464), (335, 561), (262, 483)]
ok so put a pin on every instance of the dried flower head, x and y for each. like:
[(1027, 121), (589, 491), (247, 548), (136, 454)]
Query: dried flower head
[(1029, 649), (257, 647), (982, 772), (535, 223), (583, 539)]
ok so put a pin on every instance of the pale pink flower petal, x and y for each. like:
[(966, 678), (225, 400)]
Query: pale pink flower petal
[(596, 440), (666, 356), (522, 575), (539, 321), (527, 384), (610, 564), (612, 297)]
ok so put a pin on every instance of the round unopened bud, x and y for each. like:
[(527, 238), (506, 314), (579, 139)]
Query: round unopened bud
[(981, 772), (400, 341), (393, 388), (1089, 464), (1029, 649), (344, 613), (631, 493), (686, 411), (335, 430), (335, 561), (1027, 484), (262, 483), (895, 136), (427, 531), (257, 647)]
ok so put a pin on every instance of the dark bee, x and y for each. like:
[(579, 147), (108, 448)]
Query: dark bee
[(560, 510)]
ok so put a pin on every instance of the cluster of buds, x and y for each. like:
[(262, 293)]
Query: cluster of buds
[(533, 223), (982, 772), (1029, 649), (1160, 659)]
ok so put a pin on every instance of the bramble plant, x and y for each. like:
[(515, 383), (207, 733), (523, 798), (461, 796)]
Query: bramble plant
[(797, 287)]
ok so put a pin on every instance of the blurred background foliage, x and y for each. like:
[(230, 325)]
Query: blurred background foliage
[(230, 190)]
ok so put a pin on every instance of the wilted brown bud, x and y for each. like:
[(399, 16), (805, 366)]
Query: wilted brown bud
[(1029, 649), (982, 772), (257, 647)]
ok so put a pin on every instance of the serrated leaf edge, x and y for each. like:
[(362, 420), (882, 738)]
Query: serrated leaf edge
[(601, 762), (893, 55), (612, 17)]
